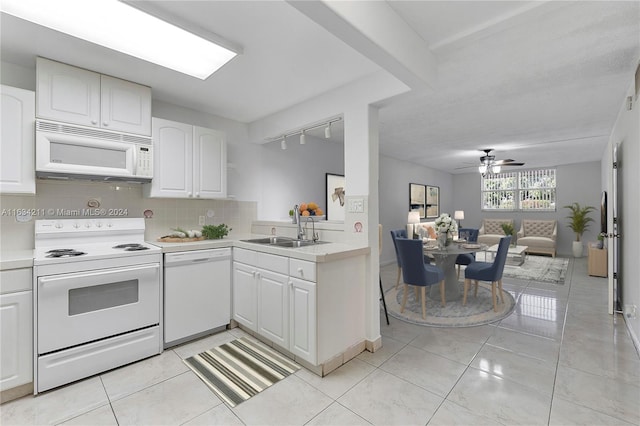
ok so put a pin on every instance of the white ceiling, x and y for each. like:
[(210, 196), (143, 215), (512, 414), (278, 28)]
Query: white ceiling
[(541, 82)]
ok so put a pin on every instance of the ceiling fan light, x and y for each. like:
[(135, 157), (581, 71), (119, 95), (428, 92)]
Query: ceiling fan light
[(495, 169), (482, 169)]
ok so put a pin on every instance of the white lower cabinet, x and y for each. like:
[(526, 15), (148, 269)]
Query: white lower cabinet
[(274, 304), (16, 321)]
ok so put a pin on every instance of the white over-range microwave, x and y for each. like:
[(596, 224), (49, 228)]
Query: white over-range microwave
[(65, 151)]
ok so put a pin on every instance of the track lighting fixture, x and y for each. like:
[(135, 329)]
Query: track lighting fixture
[(302, 133), (327, 131)]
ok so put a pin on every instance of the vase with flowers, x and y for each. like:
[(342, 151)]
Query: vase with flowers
[(446, 228)]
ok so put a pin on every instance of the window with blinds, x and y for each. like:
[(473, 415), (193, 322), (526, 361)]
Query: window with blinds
[(529, 190)]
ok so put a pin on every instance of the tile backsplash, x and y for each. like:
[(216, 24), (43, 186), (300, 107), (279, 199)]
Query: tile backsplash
[(66, 200)]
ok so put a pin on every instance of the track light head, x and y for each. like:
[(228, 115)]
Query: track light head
[(303, 138), (283, 144), (327, 131)]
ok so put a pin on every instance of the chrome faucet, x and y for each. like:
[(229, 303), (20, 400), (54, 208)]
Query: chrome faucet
[(296, 212), (314, 236)]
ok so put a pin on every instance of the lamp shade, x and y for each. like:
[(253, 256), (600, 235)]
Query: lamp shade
[(458, 215), (414, 217)]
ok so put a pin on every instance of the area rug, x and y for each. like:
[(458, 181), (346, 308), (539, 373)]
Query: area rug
[(240, 369), (539, 268), (477, 311)]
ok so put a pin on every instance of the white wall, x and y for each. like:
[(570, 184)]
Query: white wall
[(296, 175), (575, 183), (395, 177), (626, 132)]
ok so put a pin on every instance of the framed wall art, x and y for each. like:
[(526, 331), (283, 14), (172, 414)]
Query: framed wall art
[(335, 191), (433, 201), (418, 198)]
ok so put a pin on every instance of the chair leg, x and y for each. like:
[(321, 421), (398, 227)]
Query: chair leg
[(475, 293), (442, 295), (384, 302), (398, 278), (493, 296), (415, 292), (464, 293), (500, 289), (404, 298), (458, 271), (424, 307)]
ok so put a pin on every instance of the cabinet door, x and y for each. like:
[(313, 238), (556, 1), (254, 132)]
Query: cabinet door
[(68, 94), (16, 338), (172, 160), (273, 307), (245, 295), (17, 151), (125, 106), (302, 319), (209, 163)]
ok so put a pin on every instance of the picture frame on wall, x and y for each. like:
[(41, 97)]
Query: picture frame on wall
[(417, 198), (433, 201), (335, 190)]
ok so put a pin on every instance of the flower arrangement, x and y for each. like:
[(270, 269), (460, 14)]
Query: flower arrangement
[(446, 224), (310, 209)]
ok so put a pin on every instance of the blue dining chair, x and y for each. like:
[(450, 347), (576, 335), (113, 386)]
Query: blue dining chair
[(398, 233), (471, 235), (416, 272), (488, 271)]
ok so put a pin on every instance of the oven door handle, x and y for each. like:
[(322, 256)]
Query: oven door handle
[(61, 279)]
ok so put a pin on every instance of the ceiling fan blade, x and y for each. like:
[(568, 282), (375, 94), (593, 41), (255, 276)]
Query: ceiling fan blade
[(512, 164), (498, 162), (466, 167)]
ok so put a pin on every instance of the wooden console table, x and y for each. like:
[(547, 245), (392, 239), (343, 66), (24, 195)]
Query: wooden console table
[(597, 262)]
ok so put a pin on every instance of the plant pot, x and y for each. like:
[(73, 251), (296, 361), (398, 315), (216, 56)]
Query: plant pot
[(577, 248)]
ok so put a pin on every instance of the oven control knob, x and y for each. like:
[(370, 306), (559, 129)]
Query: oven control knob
[(87, 224), (58, 225), (76, 225), (99, 224)]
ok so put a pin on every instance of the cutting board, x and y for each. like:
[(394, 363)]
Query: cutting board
[(179, 240)]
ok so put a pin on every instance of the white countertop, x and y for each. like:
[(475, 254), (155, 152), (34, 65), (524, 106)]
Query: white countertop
[(326, 252), (15, 259)]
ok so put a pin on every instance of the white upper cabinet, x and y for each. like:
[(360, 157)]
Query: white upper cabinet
[(189, 161), (209, 163), (78, 96), (17, 161)]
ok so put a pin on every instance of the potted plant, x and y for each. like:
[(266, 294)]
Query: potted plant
[(508, 229), (578, 222)]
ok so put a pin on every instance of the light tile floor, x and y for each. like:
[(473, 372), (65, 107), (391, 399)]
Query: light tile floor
[(558, 359)]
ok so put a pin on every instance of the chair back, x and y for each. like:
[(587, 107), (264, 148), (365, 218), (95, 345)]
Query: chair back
[(395, 234), (501, 258), (471, 234), (412, 260)]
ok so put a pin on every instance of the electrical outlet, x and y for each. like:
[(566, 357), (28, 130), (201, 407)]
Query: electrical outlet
[(210, 213), (200, 220), (356, 205)]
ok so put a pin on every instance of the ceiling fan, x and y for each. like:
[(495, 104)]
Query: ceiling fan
[(489, 164)]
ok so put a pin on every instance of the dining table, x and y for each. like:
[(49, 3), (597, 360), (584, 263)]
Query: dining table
[(445, 259)]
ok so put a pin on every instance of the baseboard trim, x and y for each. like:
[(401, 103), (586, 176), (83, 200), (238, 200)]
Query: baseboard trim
[(15, 393)]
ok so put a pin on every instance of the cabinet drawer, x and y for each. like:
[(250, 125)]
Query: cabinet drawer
[(13, 280), (273, 262), (241, 255), (302, 269)]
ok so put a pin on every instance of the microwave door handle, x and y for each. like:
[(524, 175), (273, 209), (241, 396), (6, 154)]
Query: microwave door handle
[(135, 160)]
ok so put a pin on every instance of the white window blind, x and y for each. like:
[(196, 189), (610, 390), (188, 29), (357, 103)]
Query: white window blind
[(529, 190)]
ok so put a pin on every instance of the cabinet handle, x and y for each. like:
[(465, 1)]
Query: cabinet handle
[(105, 124), (189, 194), (197, 194), (94, 121), (258, 275), (290, 283), (301, 272)]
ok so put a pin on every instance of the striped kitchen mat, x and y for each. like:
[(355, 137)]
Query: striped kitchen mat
[(240, 369)]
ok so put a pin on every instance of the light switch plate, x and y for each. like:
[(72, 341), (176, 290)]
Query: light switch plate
[(356, 205)]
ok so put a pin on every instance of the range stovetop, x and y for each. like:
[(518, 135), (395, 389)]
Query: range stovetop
[(78, 240)]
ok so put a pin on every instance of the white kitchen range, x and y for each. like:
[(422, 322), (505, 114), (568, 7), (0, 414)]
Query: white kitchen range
[(97, 298)]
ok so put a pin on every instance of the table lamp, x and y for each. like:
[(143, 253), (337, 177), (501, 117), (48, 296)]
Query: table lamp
[(412, 219), (459, 215)]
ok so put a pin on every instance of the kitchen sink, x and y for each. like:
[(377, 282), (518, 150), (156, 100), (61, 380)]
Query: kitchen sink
[(283, 242), (270, 240), (298, 243)]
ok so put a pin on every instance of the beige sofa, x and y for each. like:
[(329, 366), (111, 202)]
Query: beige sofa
[(491, 231), (539, 236)]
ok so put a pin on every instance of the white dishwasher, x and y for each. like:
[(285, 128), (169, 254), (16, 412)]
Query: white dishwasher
[(197, 293)]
